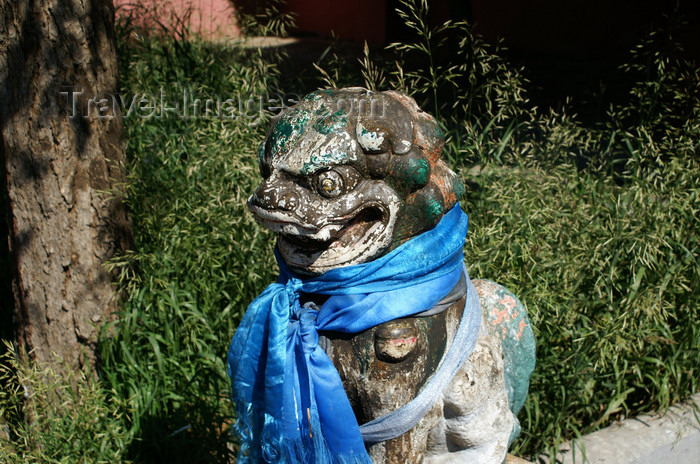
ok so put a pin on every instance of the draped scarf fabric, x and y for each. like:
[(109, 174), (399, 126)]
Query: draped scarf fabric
[(289, 398)]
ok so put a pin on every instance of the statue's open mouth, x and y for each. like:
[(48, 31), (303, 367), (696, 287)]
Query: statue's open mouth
[(361, 233), (350, 234)]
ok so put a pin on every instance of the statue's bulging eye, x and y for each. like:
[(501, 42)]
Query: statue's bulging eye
[(330, 184)]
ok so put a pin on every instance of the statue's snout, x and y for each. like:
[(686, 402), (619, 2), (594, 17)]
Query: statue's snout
[(274, 194)]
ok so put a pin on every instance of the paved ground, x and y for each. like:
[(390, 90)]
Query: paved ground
[(510, 459), (651, 439)]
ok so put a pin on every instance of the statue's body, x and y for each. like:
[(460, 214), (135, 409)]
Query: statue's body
[(350, 175)]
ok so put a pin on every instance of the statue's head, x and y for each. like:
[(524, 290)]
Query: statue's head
[(349, 175)]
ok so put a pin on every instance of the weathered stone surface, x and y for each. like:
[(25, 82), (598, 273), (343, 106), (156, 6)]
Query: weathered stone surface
[(395, 341), (376, 387), (476, 421), (507, 317)]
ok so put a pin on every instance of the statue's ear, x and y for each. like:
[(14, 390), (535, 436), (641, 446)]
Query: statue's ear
[(372, 137), (426, 135), (431, 188), (383, 115), (375, 141), (383, 130)]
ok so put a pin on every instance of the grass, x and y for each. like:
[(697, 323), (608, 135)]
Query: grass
[(57, 419), (595, 228), (200, 257), (607, 274)]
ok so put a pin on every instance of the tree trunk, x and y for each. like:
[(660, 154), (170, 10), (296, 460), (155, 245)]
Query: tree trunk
[(63, 161)]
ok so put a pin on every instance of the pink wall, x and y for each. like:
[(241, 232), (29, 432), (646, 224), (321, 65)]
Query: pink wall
[(348, 19), (207, 18)]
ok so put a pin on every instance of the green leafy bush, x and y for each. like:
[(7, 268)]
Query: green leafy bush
[(199, 258)]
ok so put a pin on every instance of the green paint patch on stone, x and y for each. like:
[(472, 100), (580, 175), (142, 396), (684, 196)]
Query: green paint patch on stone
[(458, 187), (318, 94), (507, 317), (287, 131), (438, 133), (331, 123), (261, 153), (365, 132), (417, 172), (315, 96), (433, 210), (332, 158), (311, 136)]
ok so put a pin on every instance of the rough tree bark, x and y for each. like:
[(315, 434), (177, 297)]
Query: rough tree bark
[(58, 167)]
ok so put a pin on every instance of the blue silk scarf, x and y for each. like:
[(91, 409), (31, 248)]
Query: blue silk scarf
[(289, 398)]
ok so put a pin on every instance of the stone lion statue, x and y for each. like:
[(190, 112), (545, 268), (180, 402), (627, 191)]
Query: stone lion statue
[(374, 345)]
